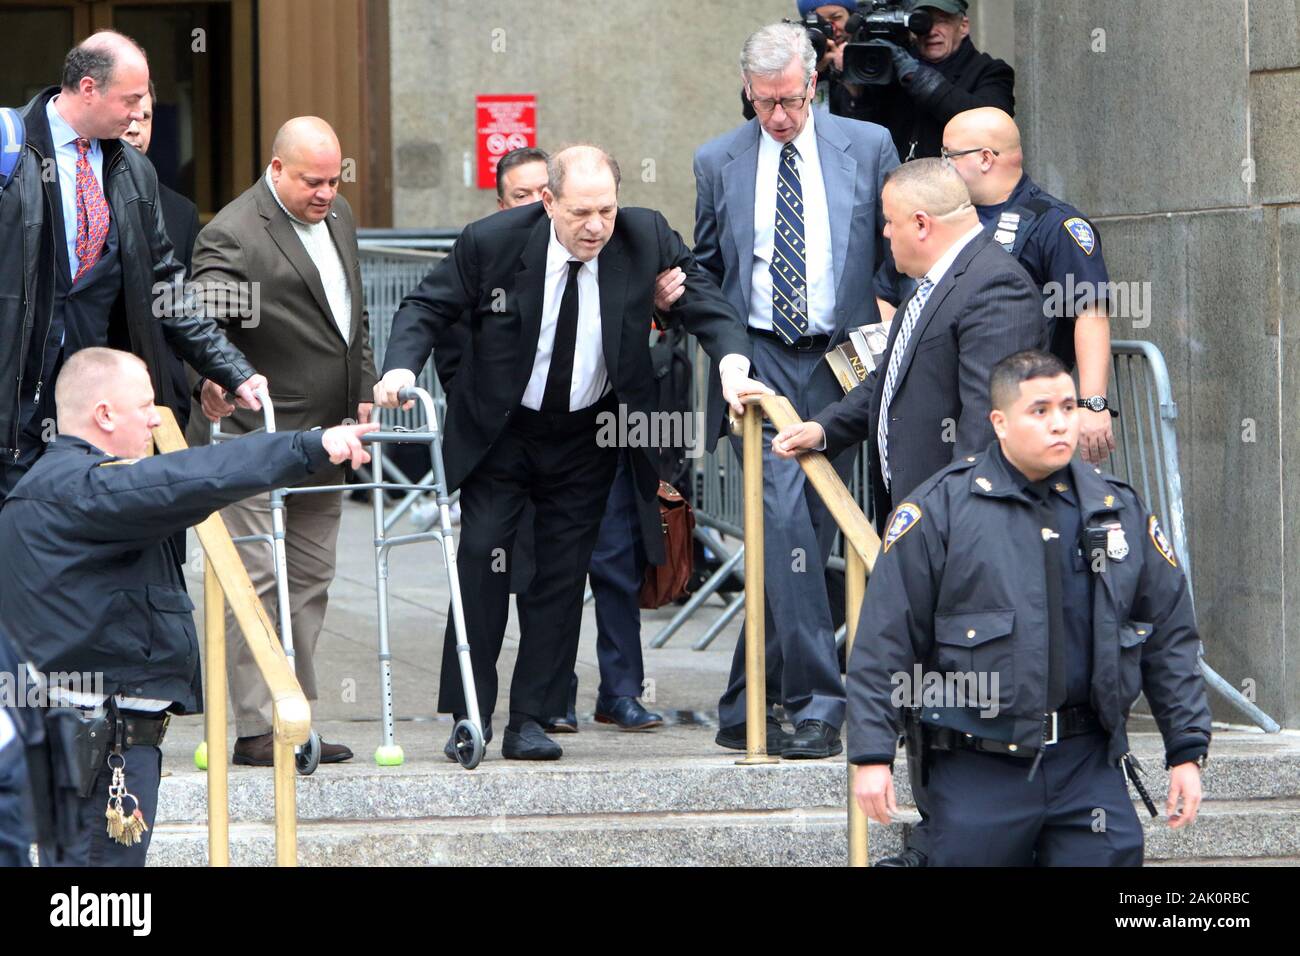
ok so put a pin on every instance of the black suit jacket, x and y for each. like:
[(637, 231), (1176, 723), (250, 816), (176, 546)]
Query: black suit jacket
[(494, 280), (181, 220), (983, 309)]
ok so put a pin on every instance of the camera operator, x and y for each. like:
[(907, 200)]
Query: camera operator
[(826, 23), (909, 66)]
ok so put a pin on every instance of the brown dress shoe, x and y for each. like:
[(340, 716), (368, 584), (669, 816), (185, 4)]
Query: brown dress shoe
[(260, 752), (254, 751), (334, 753)]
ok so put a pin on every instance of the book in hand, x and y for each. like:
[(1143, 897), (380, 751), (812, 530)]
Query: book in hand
[(858, 355)]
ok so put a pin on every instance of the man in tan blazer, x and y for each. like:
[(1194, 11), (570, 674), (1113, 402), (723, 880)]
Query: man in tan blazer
[(289, 246)]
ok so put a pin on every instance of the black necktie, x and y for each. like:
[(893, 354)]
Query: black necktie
[(559, 380), (1040, 491)]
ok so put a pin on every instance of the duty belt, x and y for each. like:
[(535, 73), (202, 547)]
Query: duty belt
[(142, 731), (1059, 725)]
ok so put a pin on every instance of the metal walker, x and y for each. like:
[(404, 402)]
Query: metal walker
[(468, 733)]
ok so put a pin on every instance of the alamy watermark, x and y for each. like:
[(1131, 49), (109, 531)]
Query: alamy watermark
[(1121, 300), (221, 300), (977, 690), (636, 429)]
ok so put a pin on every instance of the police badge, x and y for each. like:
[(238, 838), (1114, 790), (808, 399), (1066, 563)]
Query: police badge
[(1116, 543), (1080, 231), (1160, 541), (905, 519)]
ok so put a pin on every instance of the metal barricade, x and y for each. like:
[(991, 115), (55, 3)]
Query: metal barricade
[(1146, 457)]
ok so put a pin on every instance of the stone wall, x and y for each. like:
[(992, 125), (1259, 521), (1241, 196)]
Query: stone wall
[(1175, 127), (649, 81)]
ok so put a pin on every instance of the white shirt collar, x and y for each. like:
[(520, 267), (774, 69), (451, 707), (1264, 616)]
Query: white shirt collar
[(557, 256), (946, 260), (271, 186), (805, 143), (60, 132)]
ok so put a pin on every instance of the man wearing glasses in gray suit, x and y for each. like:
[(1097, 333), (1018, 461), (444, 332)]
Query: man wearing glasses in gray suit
[(788, 222)]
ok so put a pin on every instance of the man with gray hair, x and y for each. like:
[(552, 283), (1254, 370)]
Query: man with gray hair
[(788, 222)]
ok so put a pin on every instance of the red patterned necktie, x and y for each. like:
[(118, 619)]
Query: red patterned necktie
[(92, 213)]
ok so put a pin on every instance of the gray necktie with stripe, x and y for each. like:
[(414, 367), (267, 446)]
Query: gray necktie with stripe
[(913, 312)]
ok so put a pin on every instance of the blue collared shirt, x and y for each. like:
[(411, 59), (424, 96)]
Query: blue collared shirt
[(65, 139)]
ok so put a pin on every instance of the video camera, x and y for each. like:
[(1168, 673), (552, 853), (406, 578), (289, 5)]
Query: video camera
[(877, 23)]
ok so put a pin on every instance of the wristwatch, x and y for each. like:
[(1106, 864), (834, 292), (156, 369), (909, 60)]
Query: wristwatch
[(1098, 403)]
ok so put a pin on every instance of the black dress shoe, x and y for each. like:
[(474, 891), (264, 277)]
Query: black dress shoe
[(908, 857), (812, 740), (449, 751), (733, 737), (568, 724), (627, 712), (529, 742)]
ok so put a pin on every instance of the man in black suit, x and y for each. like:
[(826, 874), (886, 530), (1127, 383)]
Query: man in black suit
[(974, 305), (181, 220), (558, 297)]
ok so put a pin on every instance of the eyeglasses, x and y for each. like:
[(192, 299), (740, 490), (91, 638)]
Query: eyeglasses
[(947, 153), (790, 104)]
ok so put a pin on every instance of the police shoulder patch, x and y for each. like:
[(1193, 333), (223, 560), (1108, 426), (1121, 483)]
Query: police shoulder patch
[(906, 517), (1160, 541), (1080, 231)]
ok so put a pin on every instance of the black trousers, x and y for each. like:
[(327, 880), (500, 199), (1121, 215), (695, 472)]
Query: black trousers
[(96, 848), (552, 460), (985, 811)]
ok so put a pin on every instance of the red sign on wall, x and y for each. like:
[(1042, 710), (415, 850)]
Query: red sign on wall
[(503, 122)]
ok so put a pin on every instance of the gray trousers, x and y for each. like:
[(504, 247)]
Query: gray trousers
[(311, 534), (798, 533)]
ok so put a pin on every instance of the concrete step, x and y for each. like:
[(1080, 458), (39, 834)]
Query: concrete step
[(499, 789), (425, 789), (747, 838), (1224, 829), (1266, 832)]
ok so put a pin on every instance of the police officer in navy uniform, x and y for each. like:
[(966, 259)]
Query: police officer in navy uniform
[(89, 583), (1059, 248), (1045, 597)]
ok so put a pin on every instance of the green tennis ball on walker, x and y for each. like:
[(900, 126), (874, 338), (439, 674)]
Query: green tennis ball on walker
[(389, 756), (201, 755)]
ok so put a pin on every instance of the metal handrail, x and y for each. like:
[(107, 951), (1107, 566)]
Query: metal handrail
[(226, 579), (862, 547)]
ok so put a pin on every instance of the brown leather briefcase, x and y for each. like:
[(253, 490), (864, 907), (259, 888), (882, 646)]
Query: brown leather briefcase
[(665, 583)]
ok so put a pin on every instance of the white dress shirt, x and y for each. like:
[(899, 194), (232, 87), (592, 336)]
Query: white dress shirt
[(319, 244), (816, 232), (65, 157), (590, 377)]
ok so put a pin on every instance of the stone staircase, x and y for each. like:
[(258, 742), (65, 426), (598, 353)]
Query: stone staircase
[(638, 801)]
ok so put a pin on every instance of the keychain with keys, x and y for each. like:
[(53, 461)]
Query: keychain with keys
[(126, 829)]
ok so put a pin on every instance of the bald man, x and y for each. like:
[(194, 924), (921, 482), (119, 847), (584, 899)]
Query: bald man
[(1059, 248), (89, 583), (85, 259), (292, 237)]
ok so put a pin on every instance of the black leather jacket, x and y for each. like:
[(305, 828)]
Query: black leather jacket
[(28, 259)]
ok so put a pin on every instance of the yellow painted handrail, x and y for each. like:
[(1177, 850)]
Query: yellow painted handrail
[(225, 578), (860, 560)]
